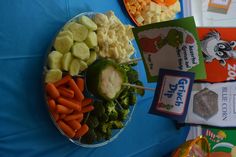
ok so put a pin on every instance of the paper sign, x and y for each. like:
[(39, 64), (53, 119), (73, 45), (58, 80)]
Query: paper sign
[(171, 45), (172, 97)]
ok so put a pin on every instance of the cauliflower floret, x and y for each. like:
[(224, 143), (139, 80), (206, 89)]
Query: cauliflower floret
[(113, 20), (129, 49), (103, 30), (114, 38), (101, 37), (102, 52), (101, 19), (129, 32), (120, 29), (125, 39), (114, 52)]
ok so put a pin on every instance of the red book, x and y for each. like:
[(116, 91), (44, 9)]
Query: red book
[(219, 50)]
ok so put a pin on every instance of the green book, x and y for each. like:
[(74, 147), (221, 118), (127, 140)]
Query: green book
[(170, 45), (222, 141)]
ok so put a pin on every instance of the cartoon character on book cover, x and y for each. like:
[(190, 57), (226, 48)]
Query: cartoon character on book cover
[(214, 47), (219, 51)]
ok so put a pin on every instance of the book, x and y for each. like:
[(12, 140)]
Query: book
[(219, 50), (222, 141)]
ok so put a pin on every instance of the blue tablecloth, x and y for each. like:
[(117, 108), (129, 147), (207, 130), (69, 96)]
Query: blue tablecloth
[(27, 28)]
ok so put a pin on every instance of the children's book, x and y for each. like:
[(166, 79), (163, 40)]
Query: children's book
[(219, 51), (222, 141)]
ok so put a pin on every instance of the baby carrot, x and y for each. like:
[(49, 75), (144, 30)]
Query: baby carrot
[(64, 110), (87, 109), (86, 101), (75, 101), (66, 129), (52, 91), (74, 124), (63, 81), (80, 83), (66, 92), (82, 131), (55, 115), (73, 117), (78, 93), (52, 104), (68, 104), (80, 118), (62, 116)]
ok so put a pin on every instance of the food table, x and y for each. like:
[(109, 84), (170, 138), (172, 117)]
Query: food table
[(27, 29)]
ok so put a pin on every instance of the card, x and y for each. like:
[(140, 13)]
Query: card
[(172, 96), (212, 104), (219, 51), (171, 45)]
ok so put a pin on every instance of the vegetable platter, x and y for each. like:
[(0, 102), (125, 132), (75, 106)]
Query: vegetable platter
[(87, 73), (144, 12)]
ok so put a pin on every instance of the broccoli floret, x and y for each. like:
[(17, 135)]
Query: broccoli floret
[(89, 137), (140, 91), (124, 102), (92, 121), (132, 90), (104, 118), (108, 134), (99, 109), (132, 99), (133, 64), (100, 135), (111, 110), (125, 67), (104, 127), (113, 115), (124, 93), (132, 75), (116, 124), (106, 130), (123, 114)]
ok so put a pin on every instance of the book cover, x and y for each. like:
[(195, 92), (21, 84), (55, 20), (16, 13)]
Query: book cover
[(222, 141), (219, 50)]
